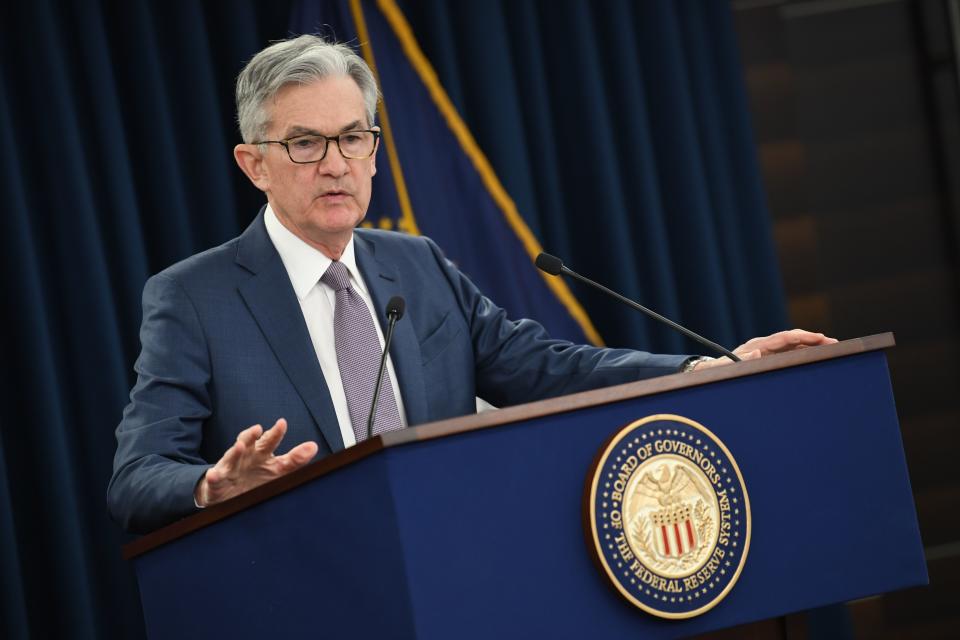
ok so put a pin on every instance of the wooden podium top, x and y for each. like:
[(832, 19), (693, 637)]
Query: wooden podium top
[(507, 415)]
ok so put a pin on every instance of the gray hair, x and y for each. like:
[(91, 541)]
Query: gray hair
[(300, 60)]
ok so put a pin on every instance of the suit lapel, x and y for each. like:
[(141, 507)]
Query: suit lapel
[(383, 281), (273, 304)]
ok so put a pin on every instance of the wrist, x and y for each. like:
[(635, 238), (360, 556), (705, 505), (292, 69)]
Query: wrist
[(200, 492), (693, 363)]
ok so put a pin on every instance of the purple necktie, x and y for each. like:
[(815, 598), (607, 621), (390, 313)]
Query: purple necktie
[(358, 357)]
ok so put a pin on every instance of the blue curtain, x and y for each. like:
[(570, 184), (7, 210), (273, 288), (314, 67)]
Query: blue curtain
[(619, 128), (116, 124)]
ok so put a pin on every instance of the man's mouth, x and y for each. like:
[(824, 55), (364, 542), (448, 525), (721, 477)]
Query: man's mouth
[(334, 194)]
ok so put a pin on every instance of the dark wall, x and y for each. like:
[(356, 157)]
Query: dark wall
[(856, 114)]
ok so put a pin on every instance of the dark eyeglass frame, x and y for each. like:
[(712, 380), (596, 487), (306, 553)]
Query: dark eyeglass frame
[(285, 143)]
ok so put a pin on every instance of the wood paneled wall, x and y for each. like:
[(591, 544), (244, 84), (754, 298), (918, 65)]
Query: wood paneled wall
[(856, 114)]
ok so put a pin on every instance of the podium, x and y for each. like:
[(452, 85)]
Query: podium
[(474, 527)]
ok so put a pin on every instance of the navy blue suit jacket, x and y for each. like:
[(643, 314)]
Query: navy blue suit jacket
[(225, 346)]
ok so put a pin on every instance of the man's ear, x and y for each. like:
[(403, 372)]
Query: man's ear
[(250, 160), (373, 158)]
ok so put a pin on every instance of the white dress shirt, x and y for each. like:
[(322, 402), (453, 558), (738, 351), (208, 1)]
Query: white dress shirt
[(305, 266)]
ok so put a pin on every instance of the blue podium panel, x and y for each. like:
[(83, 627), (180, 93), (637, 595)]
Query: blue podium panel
[(320, 561), (480, 534), (818, 447)]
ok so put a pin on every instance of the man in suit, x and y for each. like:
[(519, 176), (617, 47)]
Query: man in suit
[(286, 319)]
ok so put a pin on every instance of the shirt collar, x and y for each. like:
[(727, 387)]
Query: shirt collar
[(306, 265)]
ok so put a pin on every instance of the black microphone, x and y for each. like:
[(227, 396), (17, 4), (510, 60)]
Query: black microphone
[(395, 308), (554, 266)]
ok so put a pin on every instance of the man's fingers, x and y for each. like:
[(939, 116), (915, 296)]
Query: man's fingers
[(786, 341), (799, 338), (796, 337), (774, 343), (303, 453), (250, 435), (268, 442), (296, 457), (231, 458)]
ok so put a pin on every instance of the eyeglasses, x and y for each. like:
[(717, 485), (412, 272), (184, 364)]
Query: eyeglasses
[(354, 145)]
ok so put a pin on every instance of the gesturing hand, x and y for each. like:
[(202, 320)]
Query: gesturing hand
[(250, 462), (764, 346)]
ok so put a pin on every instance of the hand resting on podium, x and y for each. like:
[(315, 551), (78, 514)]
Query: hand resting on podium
[(767, 345)]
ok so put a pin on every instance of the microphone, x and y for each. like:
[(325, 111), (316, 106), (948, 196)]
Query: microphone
[(395, 309), (554, 266)]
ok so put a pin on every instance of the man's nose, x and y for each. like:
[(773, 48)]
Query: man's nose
[(333, 162)]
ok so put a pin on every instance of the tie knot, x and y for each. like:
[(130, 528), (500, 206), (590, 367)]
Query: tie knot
[(337, 276)]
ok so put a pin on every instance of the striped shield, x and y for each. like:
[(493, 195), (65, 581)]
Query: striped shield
[(673, 531)]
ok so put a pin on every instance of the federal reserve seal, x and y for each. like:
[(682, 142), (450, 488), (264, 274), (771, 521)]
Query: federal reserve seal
[(668, 516)]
